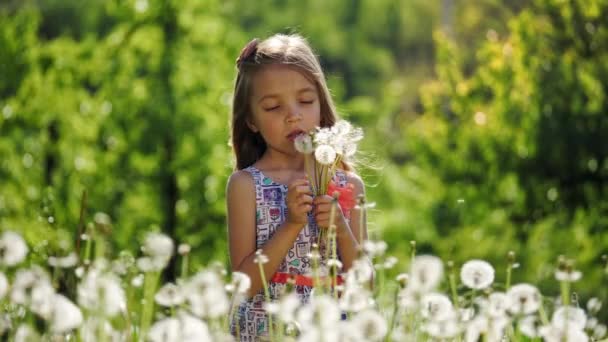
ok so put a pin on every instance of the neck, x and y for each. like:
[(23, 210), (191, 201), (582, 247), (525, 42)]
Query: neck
[(277, 160)]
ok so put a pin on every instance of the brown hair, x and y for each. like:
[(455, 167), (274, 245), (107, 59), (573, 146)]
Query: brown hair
[(292, 50)]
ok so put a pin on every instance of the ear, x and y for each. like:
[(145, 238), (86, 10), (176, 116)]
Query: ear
[(252, 127)]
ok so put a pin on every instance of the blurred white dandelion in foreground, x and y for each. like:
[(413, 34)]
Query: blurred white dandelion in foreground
[(524, 299), (477, 274), (569, 317), (437, 307), (101, 293), (371, 324), (13, 249), (425, 273), (169, 295), (65, 315), (184, 327)]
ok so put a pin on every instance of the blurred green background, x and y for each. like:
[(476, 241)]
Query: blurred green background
[(486, 121)]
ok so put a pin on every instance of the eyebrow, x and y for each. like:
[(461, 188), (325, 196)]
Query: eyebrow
[(303, 90)]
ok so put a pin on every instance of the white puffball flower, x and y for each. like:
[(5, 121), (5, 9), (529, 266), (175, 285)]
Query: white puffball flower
[(66, 315), (206, 296), (551, 333), (25, 281), (569, 276), (371, 324), (599, 331), (3, 285), (303, 143), (184, 327), (374, 248), (325, 154), (159, 247), (183, 249), (436, 307), (594, 305), (13, 249), (527, 326), (288, 306), (477, 274), (260, 257), (525, 299), (355, 299), (25, 333), (443, 329), (101, 292), (425, 273), (67, 261), (322, 312), (360, 272), (240, 283), (492, 328), (497, 304), (169, 295), (572, 317)]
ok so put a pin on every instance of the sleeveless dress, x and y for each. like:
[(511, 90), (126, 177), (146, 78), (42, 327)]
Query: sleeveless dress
[(271, 211)]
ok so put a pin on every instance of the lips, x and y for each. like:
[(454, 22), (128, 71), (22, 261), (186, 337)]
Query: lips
[(293, 134)]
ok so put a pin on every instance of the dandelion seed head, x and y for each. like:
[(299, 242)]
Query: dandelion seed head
[(354, 299), (572, 317), (325, 154), (371, 324), (159, 247), (443, 329), (13, 249), (288, 306), (241, 282), (260, 257), (66, 316), (436, 307), (568, 275), (599, 332), (169, 295), (551, 333), (497, 304), (594, 305), (477, 274), (528, 326), (524, 298), (303, 144), (183, 249), (425, 273), (67, 261)]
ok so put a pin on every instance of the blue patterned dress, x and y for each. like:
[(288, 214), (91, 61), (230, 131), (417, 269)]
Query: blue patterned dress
[(271, 211)]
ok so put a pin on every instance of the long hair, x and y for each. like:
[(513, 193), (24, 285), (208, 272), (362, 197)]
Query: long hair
[(292, 50)]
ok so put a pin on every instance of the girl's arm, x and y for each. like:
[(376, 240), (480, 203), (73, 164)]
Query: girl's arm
[(241, 205), (348, 234)]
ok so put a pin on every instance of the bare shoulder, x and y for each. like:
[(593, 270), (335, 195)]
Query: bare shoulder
[(356, 181), (240, 183)]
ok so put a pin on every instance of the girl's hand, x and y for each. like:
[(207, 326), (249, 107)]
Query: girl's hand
[(322, 204), (299, 201)]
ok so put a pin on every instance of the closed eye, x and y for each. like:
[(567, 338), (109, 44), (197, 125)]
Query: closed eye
[(272, 108), (308, 102)]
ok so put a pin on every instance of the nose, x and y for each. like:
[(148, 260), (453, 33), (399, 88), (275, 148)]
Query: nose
[(294, 115)]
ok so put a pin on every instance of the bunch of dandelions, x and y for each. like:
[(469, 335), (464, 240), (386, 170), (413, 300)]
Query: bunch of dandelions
[(324, 150)]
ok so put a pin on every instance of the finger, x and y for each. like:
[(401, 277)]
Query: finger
[(323, 199), (322, 208), (303, 189), (298, 182), (305, 199)]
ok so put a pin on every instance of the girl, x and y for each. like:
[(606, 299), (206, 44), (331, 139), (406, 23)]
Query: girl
[(280, 92)]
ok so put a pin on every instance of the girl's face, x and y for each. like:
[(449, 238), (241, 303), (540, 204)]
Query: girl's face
[(284, 104)]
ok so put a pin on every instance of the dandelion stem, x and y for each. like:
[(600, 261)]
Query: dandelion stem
[(267, 296), (452, 278)]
